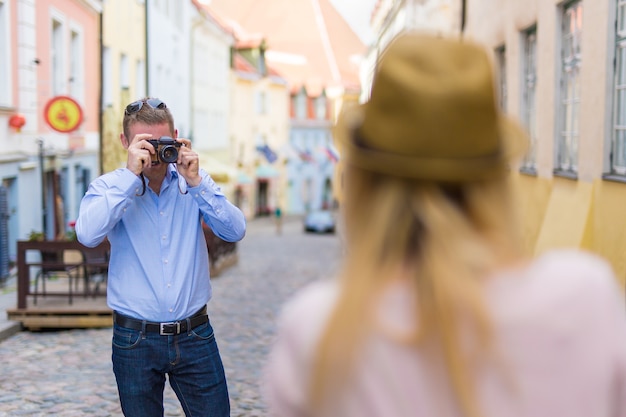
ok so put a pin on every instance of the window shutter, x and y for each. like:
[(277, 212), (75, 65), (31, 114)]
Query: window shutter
[(4, 234)]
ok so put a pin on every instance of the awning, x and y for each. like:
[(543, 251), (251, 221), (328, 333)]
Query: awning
[(266, 171), (243, 178), (219, 171)]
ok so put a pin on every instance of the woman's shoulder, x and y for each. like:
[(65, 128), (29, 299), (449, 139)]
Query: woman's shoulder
[(577, 257), (572, 268), (558, 283), (304, 315), (314, 300)]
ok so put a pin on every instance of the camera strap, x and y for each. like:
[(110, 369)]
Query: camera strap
[(182, 183)]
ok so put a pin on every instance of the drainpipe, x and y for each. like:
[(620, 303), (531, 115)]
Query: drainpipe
[(463, 13), (44, 209), (147, 69), (192, 97), (100, 94)]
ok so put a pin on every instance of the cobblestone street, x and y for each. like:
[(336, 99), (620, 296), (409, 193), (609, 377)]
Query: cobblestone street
[(68, 373)]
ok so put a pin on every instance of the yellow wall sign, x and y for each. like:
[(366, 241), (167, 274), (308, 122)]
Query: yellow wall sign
[(63, 114)]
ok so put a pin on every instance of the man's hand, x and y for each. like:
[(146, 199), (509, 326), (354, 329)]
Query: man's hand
[(139, 152), (188, 163)]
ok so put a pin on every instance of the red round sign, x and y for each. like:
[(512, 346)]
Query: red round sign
[(63, 114)]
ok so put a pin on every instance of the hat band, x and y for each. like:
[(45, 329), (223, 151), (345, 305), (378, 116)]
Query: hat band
[(426, 168)]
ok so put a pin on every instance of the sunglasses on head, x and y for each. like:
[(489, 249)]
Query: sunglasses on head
[(135, 106)]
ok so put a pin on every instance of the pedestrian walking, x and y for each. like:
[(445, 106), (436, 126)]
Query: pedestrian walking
[(158, 279), (278, 214), (437, 312)]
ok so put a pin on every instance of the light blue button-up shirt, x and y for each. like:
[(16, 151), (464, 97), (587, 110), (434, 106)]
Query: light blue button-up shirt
[(159, 265)]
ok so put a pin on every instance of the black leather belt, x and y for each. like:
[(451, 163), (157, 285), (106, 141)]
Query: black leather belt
[(171, 328)]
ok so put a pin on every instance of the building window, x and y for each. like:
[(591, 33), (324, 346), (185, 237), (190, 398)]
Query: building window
[(529, 71), (124, 72), (107, 95), (261, 102), (320, 108), (569, 100), (140, 79), (5, 55), (501, 68), (76, 69), (177, 12), (56, 52), (618, 160), (300, 105)]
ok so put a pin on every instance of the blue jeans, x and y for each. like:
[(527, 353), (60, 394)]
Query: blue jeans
[(191, 360)]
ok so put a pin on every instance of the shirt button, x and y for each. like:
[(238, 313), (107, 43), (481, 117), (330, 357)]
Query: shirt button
[(164, 237), (171, 310), (161, 213), (169, 285), (165, 261)]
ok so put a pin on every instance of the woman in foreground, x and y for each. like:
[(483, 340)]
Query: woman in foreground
[(437, 312)]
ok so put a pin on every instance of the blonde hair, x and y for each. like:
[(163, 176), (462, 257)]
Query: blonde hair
[(450, 237)]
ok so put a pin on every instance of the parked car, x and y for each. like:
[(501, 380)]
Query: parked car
[(319, 221)]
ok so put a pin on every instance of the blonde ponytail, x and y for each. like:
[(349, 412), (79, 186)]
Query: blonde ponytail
[(451, 238)]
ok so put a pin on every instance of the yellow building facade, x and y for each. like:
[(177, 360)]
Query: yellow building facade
[(259, 116), (123, 72), (561, 71)]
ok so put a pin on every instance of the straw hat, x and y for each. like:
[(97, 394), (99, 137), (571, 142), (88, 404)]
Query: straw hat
[(432, 115)]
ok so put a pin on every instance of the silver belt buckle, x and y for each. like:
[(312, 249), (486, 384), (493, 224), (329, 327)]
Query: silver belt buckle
[(175, 330)]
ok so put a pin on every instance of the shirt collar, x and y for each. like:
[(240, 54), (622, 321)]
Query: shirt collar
[(170, 175), (172, 172)]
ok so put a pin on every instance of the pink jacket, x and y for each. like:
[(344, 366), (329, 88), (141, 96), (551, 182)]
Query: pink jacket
[(560, 326)]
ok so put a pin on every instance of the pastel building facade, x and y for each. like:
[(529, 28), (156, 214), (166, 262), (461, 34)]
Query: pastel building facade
[(311, 46), (123, 72), (210, 94), (169, 25), (259, 128), (46, 51), (562, 67)]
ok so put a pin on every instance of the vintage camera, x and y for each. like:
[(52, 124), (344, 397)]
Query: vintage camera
[(166, 150)]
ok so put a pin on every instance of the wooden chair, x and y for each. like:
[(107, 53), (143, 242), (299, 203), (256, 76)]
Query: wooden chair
[(53, 264), (95, 267)]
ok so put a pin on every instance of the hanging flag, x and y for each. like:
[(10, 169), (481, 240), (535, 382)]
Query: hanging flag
[(306, 156), (332, 153), (269, 154)]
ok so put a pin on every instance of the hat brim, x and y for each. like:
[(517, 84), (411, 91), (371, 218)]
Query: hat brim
[(514, 145)]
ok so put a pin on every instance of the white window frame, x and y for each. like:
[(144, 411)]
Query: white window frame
[(140, 79), (261, 102), (529, 86), (124, 71), (300, 104), (107, 82), (77, 58), (568, 134), (321, 107), (500, 53), (58, 65), (618, 145), (6, 93)]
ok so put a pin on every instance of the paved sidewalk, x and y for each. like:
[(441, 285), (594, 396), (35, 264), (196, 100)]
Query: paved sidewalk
[(68, 373), (8, 300)]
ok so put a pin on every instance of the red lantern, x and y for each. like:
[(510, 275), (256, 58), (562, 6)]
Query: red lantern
[(17, 121)]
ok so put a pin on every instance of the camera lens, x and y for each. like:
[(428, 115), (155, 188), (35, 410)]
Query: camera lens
[(168, 154)]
